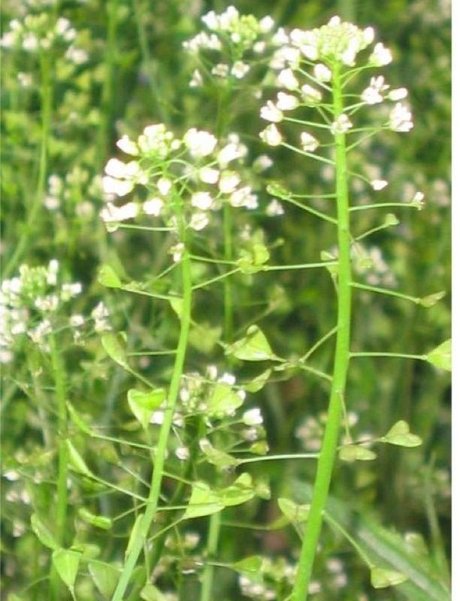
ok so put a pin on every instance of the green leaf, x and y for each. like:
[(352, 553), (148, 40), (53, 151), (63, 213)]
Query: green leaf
[(76, 461), (258, 382), (352, 452), (441, 356), (204, 338), (79, 422), (382, 578), (143, 404), (253, 347), (177, 305), (223, 400), (135, 533), (107, 277), (66, 563), (391, 219), (248, 565), (216, 457), (203, 501), (99, 521), (151, 593), (239, 492), (400, 435), (104, 576), (295, 513), (43, 533), (432, 299), (114, 346)]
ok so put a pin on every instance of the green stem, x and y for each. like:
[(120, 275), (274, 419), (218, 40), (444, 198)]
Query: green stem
[(158, 458), (46, 96), (60, 509), (215, 522), (341, 360), (228, 255)]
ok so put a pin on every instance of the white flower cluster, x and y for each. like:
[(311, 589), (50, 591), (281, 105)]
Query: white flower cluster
[(28, 303), (321, 50), (195, 168), (37, 32), (233, 36)]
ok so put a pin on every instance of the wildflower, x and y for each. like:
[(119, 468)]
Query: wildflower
[(199, 143), (380, 56), (117, 187), (308, 142), (164, 185), (153, 206), (341, 125), (239, 69), (196, 80), (128, 146), (287, 79), (310, 95), (177, 251), (182, 453), (322, 73), (202, 200), (208, 175), (418, 200), (270, 112), (243, 197), (270, 135), (274, 208), (100, 315), (286, 102), (379, 184), (397, 94), (220, 70), (252, 417), (373, 93), (113, 214), (262, 163), (231, 151), (400, 118), (228, 182)]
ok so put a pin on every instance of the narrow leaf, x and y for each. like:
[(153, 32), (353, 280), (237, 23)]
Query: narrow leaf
[(99, 521), (135, 533), (76, 461), (79, 422), (432, 299)]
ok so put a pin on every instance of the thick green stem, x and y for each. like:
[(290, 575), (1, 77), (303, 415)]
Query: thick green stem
[(158, 458), (61, 508), (329, 444)]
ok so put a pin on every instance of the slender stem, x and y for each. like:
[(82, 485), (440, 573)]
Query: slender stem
[(61, 508), (341, 360), (386, 291), (400, 355), (228, 295), (46, 97), (158, 458)]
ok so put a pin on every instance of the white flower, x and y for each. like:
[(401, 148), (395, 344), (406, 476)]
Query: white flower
[(243, 197), (379, 184), (153, 206), (228, 182), (117, 169), (199, 221), (220, 70), (322, 73), (286, 56), (341, 125), (266, 24), (128, 146), (111, 185), (269, 112), (239, 69), (271, 136), (253, 417), (208, 175), (373, 93), (418, 200), (287, 79), (310, 95), (380, 56), (400, 118), (262, 163), (177, 251), (274, 208), (199, 143), (112, 214), (196, 80), (202, 200), (397, 94), (164, 185), (231, 151), (182, 453), (286, 102), (76, 321), (308, 142), (368, 35)]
